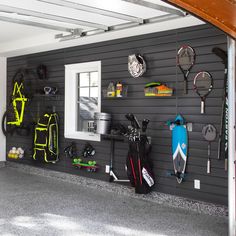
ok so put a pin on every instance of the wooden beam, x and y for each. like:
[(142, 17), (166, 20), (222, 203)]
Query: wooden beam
[(220, 13)]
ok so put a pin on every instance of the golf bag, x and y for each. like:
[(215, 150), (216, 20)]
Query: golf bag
[(46, 139), (139, 165), (138, 162)]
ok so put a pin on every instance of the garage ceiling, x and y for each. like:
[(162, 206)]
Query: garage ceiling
[(35, 25)]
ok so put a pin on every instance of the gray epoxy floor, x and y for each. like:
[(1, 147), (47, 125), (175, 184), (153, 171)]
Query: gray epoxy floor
[(34, 205)]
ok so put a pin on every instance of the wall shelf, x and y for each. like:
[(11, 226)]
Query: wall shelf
[(115, 98), (48, 97), (134, 98)]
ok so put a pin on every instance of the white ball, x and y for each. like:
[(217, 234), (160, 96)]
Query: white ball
[(14, 148), (20, 149)]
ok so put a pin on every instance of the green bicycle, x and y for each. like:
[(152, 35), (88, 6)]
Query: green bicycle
[(12, 120)]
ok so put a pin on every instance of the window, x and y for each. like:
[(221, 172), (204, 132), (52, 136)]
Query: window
[(82, 99)]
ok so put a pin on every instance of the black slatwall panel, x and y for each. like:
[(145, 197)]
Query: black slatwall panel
[(159, 51)]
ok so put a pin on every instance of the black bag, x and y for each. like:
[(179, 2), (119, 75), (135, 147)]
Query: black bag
[(46, 139), (139, 166)]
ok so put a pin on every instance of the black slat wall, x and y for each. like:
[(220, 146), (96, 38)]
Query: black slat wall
[(159, 50)]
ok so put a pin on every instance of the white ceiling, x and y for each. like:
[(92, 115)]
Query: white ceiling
[(18, 39)]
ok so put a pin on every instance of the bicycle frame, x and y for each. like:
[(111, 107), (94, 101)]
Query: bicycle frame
[(18, 97)]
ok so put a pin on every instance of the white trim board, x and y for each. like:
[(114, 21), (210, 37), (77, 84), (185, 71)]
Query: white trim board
[(71, 100), (3, 88)]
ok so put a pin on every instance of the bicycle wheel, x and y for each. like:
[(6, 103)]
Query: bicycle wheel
[(6, 129)]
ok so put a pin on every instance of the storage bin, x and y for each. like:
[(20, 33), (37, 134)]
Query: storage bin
[(102, 122)]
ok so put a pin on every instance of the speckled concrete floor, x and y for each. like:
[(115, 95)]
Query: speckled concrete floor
[(34, 205)]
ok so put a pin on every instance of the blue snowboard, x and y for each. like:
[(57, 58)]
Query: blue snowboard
[(179, 147)]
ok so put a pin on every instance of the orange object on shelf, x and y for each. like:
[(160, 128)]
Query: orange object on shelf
[(158, 91), (163, 90)]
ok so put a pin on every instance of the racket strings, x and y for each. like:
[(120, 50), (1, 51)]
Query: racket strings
[(203, 83), (185, 58)]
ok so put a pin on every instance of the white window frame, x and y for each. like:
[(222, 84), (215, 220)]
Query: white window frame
[(71, 96)]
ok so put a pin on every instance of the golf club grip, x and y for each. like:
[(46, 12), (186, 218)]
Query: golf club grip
[(185, 86), (202, 107), (226, 164), (208, 166)]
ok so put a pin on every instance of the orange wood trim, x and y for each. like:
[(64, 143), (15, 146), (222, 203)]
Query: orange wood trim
[(220, 13)]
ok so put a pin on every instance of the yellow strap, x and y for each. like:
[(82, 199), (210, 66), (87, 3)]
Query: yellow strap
[(40, 149), (36, 137)]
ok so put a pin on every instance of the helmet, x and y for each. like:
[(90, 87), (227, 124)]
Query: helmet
[(42, 72), (88, 150), (136, 65)]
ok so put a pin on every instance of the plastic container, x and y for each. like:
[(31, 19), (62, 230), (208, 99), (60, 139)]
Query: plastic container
[(119, 87), (102, 122), (123, 93), (111, 90)]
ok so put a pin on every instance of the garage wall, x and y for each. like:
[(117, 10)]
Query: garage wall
[(159, 50)]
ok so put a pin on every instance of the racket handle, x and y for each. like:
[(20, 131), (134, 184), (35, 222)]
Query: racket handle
[(209, 150), (202, 107), (185, 87), (219, 148), (208, 166), (226, 164)]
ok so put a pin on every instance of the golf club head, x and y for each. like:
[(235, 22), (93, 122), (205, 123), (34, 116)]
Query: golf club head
[(221, 53), (133, 120), (129, 116), (145, 124)]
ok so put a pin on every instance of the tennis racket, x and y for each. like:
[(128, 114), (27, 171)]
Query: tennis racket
[(209, 133), (185, 61), (203, 85)]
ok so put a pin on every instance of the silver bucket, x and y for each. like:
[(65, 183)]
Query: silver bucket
[(102, 122)]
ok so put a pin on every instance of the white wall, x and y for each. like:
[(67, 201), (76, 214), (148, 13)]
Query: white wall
[(3, 87)]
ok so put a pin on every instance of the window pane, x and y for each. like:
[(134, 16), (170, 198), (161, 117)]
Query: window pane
[(86, 109), (94, 92), (94, 78), (83, 79), (83, 92)]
